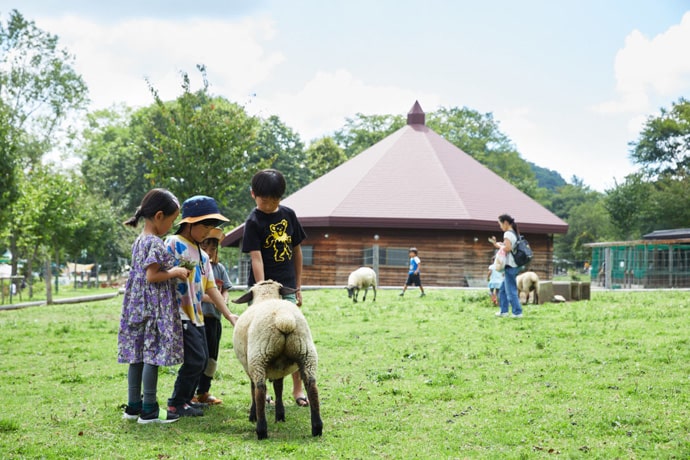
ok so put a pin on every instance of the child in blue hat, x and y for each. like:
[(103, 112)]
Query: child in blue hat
[(200, 215)]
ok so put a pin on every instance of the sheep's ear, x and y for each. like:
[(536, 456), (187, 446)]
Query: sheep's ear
[(284, 290), (246, 298)]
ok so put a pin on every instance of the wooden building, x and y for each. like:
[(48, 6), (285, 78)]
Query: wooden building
[(411, 189)]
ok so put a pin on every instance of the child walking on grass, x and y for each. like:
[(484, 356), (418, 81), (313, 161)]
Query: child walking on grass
[(150, 333), (413, 273)]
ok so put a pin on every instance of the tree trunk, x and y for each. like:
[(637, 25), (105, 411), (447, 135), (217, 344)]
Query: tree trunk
[(47, 277)]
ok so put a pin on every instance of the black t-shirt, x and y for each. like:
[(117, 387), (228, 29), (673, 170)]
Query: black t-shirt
[(275, 235)]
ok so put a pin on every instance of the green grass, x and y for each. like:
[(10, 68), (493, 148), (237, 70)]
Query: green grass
[(436, 377)]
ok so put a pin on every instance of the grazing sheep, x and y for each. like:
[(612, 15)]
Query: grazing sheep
[(528, 282), (272, 339), (362, 278)]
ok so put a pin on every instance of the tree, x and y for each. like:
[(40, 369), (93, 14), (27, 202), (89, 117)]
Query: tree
[(200, 144), (9, 165), (588, 220), (627, 204), (45, 215), (323, 155), (363, 131), (114, 154), (38, 84), (280, 147), (39, 90), (663, 147)]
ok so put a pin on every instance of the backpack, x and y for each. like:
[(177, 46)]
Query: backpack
[(522, 252)]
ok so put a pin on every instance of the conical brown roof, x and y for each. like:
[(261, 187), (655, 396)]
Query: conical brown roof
[(414, 178)]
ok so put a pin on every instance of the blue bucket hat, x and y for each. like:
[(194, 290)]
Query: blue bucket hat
[(200, 207)]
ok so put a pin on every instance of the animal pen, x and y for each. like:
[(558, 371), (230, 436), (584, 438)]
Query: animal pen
[(641, 264)]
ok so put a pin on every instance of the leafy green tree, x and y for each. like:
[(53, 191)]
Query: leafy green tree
[(363, 131), (323, 155), (45, 216), (280, 147), (37, 84), (9, 166), (200, 144), (627, 204), (588, 219), (663, 147), (113, 155), (39, 90)]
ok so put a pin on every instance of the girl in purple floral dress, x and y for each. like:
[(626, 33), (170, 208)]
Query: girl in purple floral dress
[(150, 332)]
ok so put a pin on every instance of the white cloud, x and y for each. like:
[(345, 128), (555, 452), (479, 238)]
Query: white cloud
[(646, 68), (599, 160), (115, 58), (324, 102)]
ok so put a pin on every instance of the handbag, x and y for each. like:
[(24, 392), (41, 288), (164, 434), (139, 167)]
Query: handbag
[(500, 260)]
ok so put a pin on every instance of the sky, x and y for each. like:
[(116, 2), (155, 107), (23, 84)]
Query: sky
[(571, 83)]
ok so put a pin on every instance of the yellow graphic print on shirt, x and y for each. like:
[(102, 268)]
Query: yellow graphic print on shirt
[(280, 241)]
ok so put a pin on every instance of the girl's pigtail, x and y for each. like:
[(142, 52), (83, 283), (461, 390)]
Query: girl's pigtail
[(134, 220)]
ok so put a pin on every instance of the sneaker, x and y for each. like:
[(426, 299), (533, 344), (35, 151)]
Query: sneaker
[(197, 405), (519, 315), (185, 410), (131, 413), (422, 294), (158, 415), (501, 314), (402, 294), (207, 398)]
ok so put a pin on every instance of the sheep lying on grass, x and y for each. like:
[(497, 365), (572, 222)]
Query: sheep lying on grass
[(362, 278), (528, 282), (272, 339)]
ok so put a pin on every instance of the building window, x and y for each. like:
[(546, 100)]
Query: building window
[(397, 257), (392, 257), (307, 255)]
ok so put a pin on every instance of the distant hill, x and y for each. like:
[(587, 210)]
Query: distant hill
[(547, 178)]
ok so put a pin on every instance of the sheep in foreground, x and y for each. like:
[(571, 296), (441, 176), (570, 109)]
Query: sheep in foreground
[(272, 339), (528, 282), (362, 278)]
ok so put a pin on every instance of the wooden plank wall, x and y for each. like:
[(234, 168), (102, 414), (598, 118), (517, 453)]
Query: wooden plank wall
[(449, 258)]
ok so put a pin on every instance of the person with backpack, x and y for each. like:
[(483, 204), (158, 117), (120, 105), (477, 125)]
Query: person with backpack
[(508, 293)]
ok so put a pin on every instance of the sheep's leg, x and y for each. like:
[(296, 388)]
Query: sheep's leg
[(252, 410), (374, 288), (280, 407), (260, 404), (355, 295), (314, 405), (364, 297)]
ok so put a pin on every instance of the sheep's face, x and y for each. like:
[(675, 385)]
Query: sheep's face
[(264, 290), (350, 291)]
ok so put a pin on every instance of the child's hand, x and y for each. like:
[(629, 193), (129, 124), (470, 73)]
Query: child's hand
[(233, 319), (180, 273)]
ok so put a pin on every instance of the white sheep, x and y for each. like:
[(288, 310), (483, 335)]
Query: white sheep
[(528, 282), (272, 339), (362, 278)]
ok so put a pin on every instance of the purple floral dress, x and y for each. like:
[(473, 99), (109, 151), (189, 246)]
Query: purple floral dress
[(150, 326)]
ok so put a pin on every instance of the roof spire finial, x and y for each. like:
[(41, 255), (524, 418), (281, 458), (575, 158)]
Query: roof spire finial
[(416, 115)]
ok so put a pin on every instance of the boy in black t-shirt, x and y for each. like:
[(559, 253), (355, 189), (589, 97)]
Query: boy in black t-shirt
[(272, 237)]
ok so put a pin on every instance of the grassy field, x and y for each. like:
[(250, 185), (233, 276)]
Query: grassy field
[(433, 377)]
